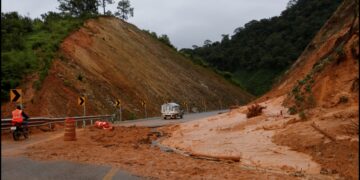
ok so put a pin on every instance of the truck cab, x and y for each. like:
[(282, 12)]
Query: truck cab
[(171, 111)]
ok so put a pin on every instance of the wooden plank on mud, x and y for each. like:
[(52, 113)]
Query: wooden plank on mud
[(316, 127)]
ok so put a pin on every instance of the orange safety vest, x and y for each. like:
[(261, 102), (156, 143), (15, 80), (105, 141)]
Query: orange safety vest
[(17, 116)]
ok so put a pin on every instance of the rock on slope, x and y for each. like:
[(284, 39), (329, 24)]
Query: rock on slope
[(109, 59), (321, 139)]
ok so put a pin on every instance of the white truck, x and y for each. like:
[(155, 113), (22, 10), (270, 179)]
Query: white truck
[(171, 111)]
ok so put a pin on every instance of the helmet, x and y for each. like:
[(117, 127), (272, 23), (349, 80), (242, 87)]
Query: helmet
[(19, 106)]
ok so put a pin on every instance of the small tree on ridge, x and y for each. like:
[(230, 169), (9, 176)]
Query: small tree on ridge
[(124, 10)]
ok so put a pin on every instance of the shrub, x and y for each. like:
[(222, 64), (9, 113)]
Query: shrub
[(80, 77), (132, 116), (292, 110), (302, 115), (37, 85), (67, 83), (343, 99), (254, 110)]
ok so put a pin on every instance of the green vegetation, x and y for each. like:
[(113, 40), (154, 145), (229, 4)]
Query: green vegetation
[(79, 8), (302, 115), (132, 116), (162, 38), (124, 10), (302, 91), (261, 51), (29, 46)]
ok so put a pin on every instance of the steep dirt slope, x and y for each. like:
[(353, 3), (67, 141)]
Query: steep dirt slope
[(335, 48), (109, 59), (319, 139)]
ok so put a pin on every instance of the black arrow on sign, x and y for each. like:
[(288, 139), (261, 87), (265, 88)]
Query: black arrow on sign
[(117, 103), (82, 101), (17, 95)]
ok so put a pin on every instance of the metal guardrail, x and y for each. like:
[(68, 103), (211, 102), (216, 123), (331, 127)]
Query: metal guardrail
[(41, 121)]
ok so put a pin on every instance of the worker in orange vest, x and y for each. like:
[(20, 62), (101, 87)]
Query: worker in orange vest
[(18, 116)]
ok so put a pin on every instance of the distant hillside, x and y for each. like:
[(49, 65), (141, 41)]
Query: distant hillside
[(109, 59), (262, 50)]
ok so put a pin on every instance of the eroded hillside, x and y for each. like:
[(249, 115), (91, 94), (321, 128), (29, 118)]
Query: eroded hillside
[(310, 125), (108, 59)]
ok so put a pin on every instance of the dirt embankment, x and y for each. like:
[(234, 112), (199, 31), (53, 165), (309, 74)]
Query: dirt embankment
[(321, 138), (108, 59)]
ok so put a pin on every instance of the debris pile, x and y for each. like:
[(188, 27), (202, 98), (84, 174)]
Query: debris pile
[(103, 125), (254, 110)]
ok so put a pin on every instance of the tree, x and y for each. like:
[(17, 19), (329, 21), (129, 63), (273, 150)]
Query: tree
[(263, 49), (207, 43), (79, 7), (124, 10), (165, 39), (104, 2), (291, 3)]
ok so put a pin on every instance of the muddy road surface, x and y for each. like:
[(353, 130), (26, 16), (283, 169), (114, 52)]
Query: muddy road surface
[(127, 152)]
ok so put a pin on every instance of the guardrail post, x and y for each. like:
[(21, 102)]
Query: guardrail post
[(50, 126)]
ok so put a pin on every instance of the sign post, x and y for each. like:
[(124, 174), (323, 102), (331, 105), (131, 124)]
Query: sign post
[(118, 104), (204, 103), (186, 107), (220, 102), (143, 103), (82, 102)]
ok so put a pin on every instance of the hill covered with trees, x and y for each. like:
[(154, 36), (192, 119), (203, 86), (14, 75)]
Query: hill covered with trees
[(256, 54), (30, 45)]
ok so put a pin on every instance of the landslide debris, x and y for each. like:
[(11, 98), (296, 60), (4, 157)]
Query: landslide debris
[(130, 149), (310, 125)]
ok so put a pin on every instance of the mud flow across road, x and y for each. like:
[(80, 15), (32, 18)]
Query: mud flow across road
[(131, 149), (274, 141)]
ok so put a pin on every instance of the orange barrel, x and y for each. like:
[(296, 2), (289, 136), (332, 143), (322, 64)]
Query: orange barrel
[(70, 133)]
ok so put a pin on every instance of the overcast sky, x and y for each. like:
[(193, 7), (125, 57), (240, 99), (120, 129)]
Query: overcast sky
[(186, 22)]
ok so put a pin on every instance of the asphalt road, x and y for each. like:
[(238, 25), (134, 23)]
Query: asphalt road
[(23, 168), (158, 121), (14, 167)]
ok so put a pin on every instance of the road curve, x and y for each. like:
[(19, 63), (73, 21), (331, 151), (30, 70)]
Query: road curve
[(14, 166)]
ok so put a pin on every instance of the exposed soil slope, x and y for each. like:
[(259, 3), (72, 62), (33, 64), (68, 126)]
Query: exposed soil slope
[(109, 59), (321, 139), (337, 41)]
